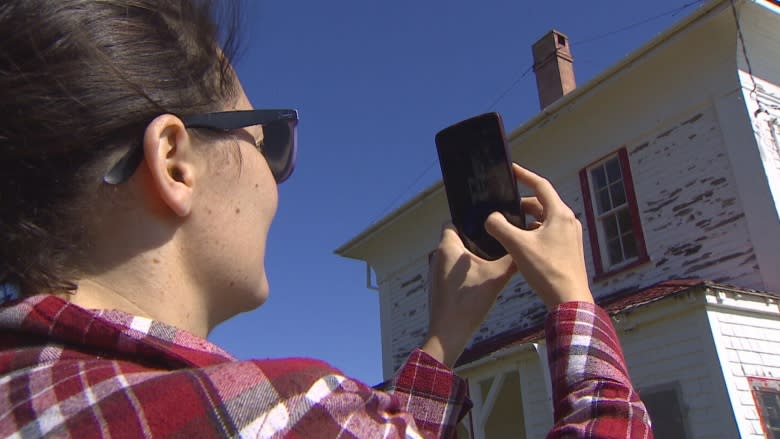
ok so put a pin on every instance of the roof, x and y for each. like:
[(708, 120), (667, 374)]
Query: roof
[(616, 303), (540, 118)]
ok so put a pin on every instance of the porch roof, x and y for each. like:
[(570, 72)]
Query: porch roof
[(615, 303)]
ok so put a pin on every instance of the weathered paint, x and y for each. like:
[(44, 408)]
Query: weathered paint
[(746, 331), (700, 158), (690, 212), (766, 125), (669, 344)]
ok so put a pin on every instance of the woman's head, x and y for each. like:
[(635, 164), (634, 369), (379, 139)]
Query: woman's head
[(80, 82)]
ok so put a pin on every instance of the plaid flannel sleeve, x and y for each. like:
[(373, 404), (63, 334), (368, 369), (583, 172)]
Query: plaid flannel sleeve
[(592, 391), (432, 393)]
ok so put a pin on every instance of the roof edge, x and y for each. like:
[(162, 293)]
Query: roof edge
[(390, 218), (624, 63), (615, 303), (568, 99)]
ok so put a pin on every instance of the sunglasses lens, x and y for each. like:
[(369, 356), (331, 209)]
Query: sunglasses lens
[(280, 148)]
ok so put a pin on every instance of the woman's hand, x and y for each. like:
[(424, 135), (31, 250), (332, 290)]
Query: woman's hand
[(462, 289), (550, 254)]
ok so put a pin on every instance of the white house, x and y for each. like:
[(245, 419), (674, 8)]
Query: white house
[(671, 160)]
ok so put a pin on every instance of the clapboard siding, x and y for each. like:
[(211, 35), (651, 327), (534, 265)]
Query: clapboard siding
[(678, 349), (749, 346), (408, 315), (691, 216)]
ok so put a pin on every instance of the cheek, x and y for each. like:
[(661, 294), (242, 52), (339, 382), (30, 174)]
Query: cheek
[(255, 195), (260, 203), (265, 189), (272, 195)]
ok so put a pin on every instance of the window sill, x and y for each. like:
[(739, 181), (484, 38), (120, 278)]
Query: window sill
[(620, 269)]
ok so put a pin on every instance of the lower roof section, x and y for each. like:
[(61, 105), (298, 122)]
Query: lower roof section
[(616, 303)]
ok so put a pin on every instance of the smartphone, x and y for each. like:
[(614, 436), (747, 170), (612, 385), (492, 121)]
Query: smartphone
[(477, 172)]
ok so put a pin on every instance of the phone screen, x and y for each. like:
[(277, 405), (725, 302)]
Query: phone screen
[(478, 180)]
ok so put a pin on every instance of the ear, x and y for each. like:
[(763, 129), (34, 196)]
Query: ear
[(170, 157)]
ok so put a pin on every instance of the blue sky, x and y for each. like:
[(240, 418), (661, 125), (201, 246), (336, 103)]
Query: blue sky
[(373, 82)]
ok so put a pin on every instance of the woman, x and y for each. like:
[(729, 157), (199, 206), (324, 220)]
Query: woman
[(137, 187)]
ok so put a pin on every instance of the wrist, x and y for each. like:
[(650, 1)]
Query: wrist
[(437, 348), (574, 298), (565, 295)]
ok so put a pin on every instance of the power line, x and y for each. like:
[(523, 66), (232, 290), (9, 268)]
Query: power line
[(529, 69), (406, 190), (433, 163), (753, 93), (506, 92), (636, 24), (598, 37)]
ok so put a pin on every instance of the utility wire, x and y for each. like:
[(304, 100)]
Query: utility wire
[(636, 24), (527, 71), (433, 163), (753, 93), (406, 190), (514, 84)]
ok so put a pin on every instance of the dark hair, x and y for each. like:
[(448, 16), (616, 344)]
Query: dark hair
[(79, 82)]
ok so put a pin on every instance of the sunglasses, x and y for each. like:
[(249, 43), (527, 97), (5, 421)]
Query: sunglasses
[(279, 145)]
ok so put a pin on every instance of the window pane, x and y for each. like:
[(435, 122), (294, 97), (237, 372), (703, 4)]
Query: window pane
[(611, 227), (624, 220), (602, 198), (629, 245), (599, 178), (666, 412), (771, 408), (613, 170), (618, 194), (614, 251)]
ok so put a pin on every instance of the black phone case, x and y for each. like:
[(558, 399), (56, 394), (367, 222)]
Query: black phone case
[(478, 179)]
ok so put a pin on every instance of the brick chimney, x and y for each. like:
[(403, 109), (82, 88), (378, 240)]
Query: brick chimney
[(554, 67)]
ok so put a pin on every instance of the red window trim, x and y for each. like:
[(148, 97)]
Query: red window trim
[(758, 384), (628, 180)]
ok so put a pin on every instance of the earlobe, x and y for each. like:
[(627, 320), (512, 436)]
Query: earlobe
[(169, 157)]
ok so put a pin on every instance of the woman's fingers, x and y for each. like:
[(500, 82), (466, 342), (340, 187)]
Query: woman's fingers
[(544, 191), (505, 232), (450, 245), (461, 289), (532, 206), (533, 225), (549, 252)]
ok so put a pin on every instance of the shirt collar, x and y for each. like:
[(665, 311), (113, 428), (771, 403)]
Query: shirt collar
[(110, 333)]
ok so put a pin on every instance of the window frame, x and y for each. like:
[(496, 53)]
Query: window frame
[(597, 239), (766, 385)]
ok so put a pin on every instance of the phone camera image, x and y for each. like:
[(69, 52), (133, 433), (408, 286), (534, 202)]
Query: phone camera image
[(478, 180)]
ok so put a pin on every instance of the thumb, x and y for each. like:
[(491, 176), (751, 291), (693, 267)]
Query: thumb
[(510, 236)]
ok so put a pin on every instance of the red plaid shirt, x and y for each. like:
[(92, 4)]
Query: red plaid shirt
[(69, 372), (592, 392)]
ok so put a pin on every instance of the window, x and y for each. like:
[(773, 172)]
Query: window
[(616, 237), (667, 414), (766, 393)]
